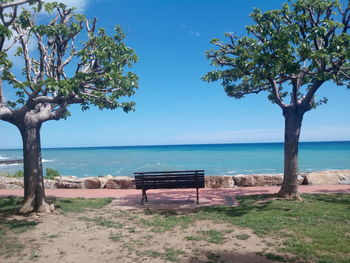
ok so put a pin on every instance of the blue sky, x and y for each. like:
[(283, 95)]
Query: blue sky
[(174, 106)]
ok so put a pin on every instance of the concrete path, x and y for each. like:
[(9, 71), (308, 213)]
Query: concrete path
[(177, 198)]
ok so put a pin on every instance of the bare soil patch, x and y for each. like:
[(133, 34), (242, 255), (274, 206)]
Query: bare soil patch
[(141, 235)]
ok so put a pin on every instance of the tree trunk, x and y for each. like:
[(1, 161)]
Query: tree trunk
[(293, 121), (34, 193)]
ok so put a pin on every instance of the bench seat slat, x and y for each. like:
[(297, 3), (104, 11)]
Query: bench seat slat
[(172, 172)]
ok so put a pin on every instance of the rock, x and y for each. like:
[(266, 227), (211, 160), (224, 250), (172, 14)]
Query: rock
[(49, 184), (327, 177), (243, 180), (11, 183), (52, 208), (92, 183), (64, 182), (120, 182), (11, 161), (219, 181), (261, 180), (104, 180)]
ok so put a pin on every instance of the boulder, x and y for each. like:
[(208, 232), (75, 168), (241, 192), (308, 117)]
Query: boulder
[(243, 180), (11, 183), (49, 184), (69, 183), (327, 177), (120, 182), (223, 181), (261, 180), (92, 183), (104, 180)]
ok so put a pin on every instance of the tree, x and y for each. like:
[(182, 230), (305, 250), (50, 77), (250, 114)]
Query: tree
[(61, 71), (288, 53)]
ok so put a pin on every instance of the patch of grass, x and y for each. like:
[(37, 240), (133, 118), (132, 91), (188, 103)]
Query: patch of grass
[(100, 221), (275, 257), (10, 203), (20, 226), (212, 257), (315, 229), (152, 253), (81, 204), (213, 236), (161, 223), (193, 238), (172, 254), (243, 237), (169, 254), (115, 237)]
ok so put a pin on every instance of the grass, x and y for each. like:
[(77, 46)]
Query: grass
[(161, 223), (80, 204), (243, 236), (316, 229)]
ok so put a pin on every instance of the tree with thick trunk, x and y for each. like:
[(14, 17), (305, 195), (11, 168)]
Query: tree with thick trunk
[(288, 53), (57, 73)]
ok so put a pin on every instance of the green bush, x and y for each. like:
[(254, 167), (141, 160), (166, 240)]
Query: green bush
[(51, 174), (17, 174)]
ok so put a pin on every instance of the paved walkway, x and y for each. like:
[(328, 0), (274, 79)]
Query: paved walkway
[(177, 198)]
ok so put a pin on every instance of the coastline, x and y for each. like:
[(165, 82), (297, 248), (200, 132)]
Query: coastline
[(331, 177)]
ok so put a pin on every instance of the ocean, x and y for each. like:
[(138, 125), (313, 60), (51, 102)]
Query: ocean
[(215, 159)]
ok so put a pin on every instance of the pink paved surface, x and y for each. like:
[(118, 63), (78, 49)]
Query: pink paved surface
[(130, 198)]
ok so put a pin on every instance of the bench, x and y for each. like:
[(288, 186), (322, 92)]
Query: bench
[(169, 180)]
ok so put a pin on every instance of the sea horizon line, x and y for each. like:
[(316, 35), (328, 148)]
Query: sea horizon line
[(168, 145)]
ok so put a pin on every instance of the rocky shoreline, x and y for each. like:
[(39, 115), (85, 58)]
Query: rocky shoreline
[(224, 181), (6, 162)]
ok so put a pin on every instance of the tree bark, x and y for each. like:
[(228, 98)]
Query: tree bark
[(293, 121), (34, 193)]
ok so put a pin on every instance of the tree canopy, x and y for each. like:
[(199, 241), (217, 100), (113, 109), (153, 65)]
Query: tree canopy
[(64, 68), (288, 53)]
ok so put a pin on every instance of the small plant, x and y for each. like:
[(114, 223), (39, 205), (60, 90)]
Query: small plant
[(115, 237), (34, 255), (243, 237), (193, 238), (17, 174), (213, 236), (51, 174)]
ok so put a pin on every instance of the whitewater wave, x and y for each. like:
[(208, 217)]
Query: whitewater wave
[(11, 164), (3, 157), (47, 161)]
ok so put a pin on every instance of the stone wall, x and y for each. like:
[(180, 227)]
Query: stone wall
[(224, 181)]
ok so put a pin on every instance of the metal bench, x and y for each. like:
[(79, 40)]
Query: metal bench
[(169, 180)]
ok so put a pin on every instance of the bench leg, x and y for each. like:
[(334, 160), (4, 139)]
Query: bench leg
[(144, 196), (197, 196)]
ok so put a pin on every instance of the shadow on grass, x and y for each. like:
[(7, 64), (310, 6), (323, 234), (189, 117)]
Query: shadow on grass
[(341, 198)]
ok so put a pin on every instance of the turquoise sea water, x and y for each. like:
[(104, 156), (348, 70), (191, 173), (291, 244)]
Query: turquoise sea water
[(215, 159)]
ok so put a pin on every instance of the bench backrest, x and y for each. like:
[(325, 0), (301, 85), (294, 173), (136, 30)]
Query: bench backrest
[(169, 179)]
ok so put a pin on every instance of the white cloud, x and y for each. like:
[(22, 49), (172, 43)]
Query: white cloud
[(81, 5)]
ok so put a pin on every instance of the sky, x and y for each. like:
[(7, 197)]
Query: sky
[(173, 104)]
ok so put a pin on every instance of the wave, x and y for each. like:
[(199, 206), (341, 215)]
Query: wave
[(3, 157), (12, 164), (47, 161)]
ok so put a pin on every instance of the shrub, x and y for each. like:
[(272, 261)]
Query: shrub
[(51, 174)]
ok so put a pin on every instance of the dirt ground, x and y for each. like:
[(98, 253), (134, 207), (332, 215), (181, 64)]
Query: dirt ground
[(112, 234)]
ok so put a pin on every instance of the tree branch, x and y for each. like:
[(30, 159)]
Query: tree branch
[(275, 93)]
